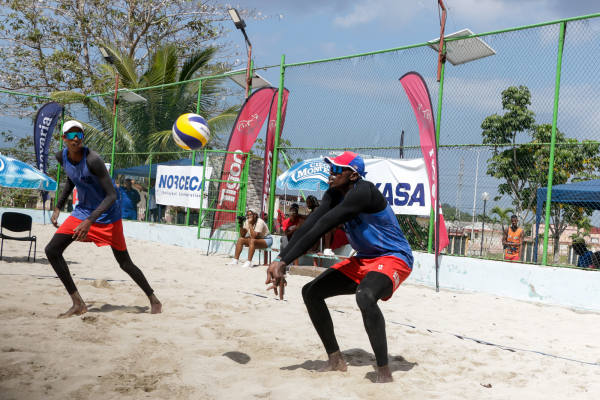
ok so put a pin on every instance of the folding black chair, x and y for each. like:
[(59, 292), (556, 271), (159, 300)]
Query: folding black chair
[(17, 222)]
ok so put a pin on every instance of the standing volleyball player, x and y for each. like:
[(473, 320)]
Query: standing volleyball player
[(383, 260), (96, 218)]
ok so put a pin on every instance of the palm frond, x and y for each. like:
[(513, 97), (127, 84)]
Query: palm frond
[(162, 140), (125, 65), (163, 67), (195, 62)]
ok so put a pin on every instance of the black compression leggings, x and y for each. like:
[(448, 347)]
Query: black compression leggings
[(331, 283), (58, 244)]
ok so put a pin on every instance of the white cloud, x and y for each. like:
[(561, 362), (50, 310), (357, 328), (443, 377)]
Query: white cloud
[(387, 11), (483, 15)]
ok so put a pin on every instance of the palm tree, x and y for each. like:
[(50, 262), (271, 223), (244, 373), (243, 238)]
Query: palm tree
[(503, 215), (146, 127)]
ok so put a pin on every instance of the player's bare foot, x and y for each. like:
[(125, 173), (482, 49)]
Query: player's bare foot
[(384, 374), (335, 362), (78, 307), (155, 305)]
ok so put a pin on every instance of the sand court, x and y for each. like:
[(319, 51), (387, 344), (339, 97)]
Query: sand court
[(223, 336)]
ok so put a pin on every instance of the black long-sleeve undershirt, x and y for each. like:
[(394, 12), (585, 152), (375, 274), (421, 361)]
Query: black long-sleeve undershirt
[(96, 166), (335, 209)]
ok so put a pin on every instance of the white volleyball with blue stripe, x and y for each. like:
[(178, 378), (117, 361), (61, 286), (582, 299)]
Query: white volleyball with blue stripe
[(190, 131)]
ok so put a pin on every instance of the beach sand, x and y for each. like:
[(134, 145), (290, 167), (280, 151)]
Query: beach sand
[(222, 336)]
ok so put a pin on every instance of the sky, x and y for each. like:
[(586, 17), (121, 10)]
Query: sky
[(315, 29), (307, 30)]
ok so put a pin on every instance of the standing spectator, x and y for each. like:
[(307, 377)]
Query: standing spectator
[(143, 193), (279, 221), (152, 206), (129, 200), (513, 240), (585, 256)]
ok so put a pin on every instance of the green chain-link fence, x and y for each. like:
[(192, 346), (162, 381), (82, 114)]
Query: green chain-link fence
[(511, 123)]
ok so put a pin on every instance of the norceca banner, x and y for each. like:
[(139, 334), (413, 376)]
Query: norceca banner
[(403, 183), (180, 185)]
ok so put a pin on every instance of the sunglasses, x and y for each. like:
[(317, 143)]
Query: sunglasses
[(74, 134), (336, 169)]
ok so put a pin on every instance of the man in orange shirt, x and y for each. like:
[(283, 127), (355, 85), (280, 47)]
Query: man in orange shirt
[(513, 240)]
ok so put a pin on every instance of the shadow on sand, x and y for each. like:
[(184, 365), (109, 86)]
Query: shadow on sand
[(357, 358), (23, 259), (112, 308), (237, 356)]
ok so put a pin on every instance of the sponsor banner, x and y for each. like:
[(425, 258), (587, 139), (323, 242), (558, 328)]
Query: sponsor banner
[(403, 183), (247, 126), (45, 122), (270, 144), (180, 185), (418, 95)]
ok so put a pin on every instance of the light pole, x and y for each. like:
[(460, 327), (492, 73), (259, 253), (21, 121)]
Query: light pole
[(240, 24), (109, 59), (484, 197)]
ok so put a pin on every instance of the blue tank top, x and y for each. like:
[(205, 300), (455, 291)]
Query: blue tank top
[(89, 191), (378, 234)]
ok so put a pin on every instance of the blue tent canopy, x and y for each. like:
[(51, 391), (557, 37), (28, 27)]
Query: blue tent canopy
[(584, 194), (144, 170)]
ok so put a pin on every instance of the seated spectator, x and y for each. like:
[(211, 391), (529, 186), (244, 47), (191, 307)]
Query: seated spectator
[(585, 256), (293, 222), (312, 203), (290, 225), (335, 239), (254, 234)]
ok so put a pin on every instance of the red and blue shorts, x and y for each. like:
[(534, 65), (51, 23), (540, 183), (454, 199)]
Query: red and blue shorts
[(101, 234), (357, 268)]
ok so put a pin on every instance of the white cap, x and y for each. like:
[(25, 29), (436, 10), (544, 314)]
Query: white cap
[(71, 124)]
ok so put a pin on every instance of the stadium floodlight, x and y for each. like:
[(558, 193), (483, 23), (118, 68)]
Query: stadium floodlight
[(109, 59), (131, 97), (256, 83), (465, 50), (240, 24), (235, 17)]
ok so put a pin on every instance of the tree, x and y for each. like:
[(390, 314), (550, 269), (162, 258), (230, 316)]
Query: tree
[(523, 165), (452, 213), (503, 215), (573, 161), (514, 164), (146, 127), (48, 46)]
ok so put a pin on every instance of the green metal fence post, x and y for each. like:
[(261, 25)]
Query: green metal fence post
[(149, 185), (437, 144), (203, 183), (561, 43), (187, 215), (276, 146)]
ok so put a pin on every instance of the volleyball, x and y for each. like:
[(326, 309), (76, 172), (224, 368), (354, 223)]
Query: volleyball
[(190, 131)]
